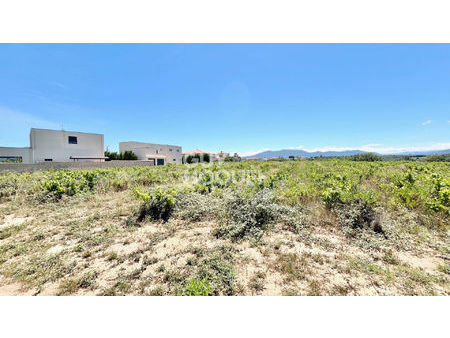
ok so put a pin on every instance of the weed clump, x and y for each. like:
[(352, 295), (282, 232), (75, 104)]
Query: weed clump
[(40, 269), (291, 266), (358, 215), (440, 194), (256, 283), (72, 285), (196, 287), (248, 217), (197, 207), (70, 182), (9, 183), (156, 206), (217, 268)]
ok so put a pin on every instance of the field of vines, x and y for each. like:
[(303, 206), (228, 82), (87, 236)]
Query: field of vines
[(308, 227)]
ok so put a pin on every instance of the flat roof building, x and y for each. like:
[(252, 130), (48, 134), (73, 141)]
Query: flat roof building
[(57, 146), (159, 154)]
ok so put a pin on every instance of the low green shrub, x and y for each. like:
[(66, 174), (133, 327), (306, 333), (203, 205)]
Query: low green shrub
[(157, 206), (335, 188), (358, 215), (197, 207), (70, 182), (440, 196), (217, 267), (248, 217), (11, 182), (292, 218), (196, 287)]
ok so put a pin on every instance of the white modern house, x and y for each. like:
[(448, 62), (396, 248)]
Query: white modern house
[(57, 146), (159, 154)]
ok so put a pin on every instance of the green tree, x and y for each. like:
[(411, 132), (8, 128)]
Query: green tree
[(189, 159), (437, 158), (112, 155), (368, 157), (129, 155)]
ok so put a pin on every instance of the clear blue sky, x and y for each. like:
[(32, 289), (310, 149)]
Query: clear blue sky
[(231, 97)]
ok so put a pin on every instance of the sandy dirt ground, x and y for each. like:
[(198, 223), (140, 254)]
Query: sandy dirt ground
[(83, 246)]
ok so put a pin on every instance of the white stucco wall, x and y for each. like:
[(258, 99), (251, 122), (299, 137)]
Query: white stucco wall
[(54, 144), (145, 151), (24, 153)]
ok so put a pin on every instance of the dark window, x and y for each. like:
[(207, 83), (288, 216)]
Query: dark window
[(48, 160), (159, 161), (10, 158), (73, 140), (170, 149), (174, 160)]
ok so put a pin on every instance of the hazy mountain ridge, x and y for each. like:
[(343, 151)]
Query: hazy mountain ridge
[(426, 152), (303, 153)]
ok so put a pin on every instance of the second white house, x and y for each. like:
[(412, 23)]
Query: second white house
[(159, 154)]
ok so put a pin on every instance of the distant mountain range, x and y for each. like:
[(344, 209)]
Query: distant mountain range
[(428, 152), (303, 153)]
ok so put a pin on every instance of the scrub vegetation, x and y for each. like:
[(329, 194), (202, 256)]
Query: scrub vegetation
[(311, 227)]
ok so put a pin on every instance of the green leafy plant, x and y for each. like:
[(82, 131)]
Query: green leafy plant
[(196, 287), (67, 182), (157, 206)]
